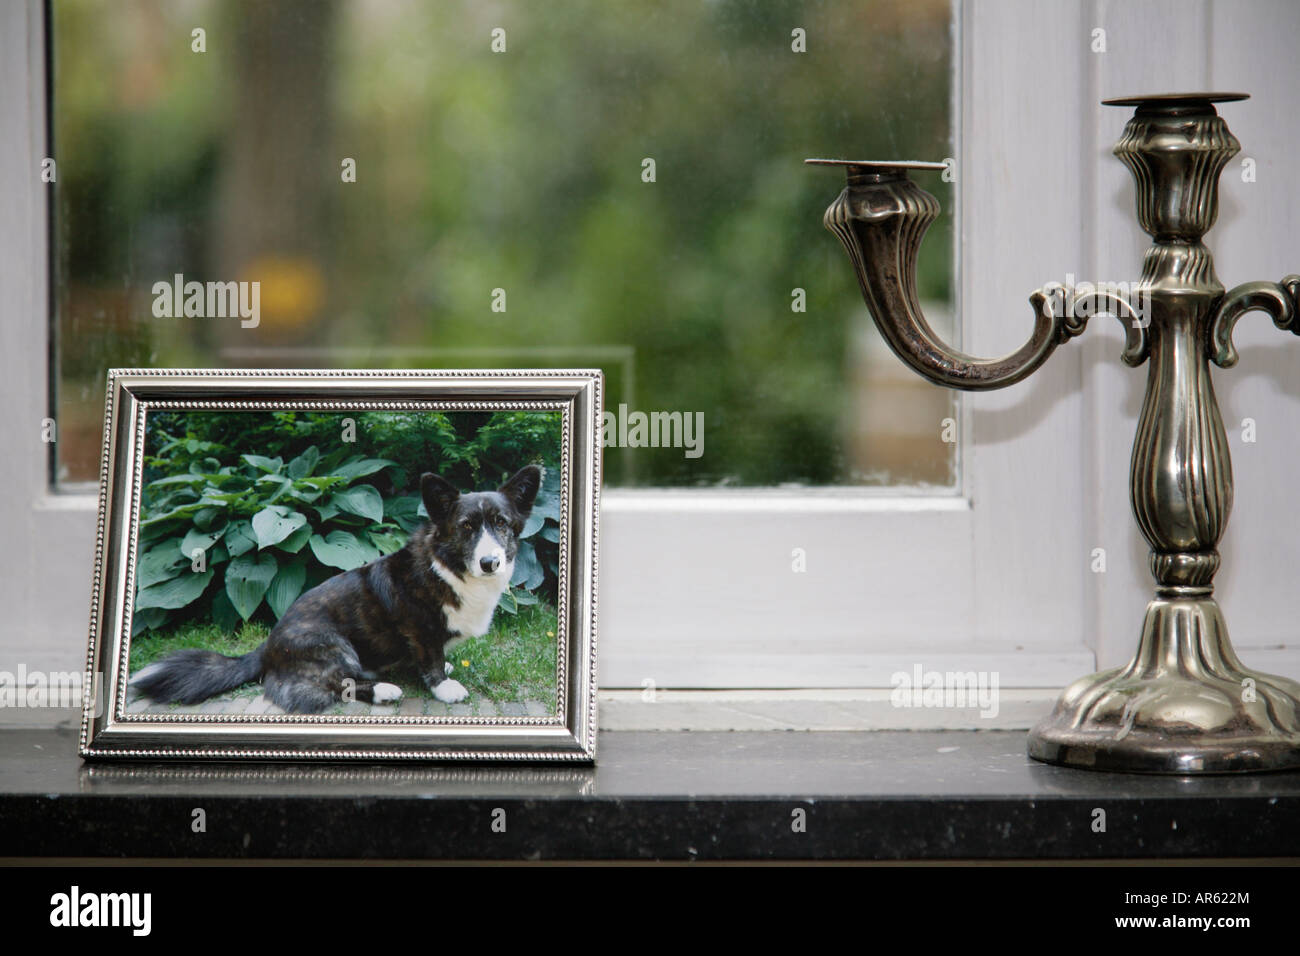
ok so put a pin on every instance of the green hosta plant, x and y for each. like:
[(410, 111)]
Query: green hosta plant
[(238, 540), (230, 539), (537, 563)]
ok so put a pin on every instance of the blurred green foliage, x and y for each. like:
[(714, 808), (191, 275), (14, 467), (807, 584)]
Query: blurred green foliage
[(521, 171)]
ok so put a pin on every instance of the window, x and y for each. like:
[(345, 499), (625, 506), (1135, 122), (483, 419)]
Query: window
[(440, 184), (699, 587)]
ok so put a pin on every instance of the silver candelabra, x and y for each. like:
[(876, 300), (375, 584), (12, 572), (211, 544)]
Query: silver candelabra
[(1185, 703)]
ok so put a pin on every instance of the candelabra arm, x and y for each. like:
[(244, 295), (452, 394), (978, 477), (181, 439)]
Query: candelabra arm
[(881, 218), (1279, 300)]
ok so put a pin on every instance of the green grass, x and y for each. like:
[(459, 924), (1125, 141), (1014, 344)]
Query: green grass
[(152, 646), (514, 661)]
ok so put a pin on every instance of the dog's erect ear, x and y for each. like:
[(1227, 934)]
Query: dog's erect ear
[(438, 496), (522, 489)]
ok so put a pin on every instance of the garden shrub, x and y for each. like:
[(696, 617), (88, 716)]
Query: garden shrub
[(229, 535)]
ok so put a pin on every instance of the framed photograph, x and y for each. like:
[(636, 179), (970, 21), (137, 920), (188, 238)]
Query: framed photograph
[(350, 565)]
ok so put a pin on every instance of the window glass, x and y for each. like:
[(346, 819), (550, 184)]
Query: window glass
[(370, 183)]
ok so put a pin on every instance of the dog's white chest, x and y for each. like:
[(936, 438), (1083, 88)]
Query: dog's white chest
[(478, 600)]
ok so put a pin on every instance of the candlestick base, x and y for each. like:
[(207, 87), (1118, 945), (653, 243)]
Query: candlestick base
[(1184, 704)]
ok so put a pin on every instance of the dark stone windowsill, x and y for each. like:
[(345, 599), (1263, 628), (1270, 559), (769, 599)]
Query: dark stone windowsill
[(668, 796)]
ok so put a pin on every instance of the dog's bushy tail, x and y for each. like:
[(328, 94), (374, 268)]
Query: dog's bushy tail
[(193, 675)]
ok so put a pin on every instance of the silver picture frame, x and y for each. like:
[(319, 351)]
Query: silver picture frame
[(568, 735)]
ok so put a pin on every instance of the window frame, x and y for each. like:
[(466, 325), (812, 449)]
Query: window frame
[(698, 588)]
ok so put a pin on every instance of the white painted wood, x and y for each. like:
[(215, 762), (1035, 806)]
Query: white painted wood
[(1022, 185), (820, 710), (821, 662), (45, 584)]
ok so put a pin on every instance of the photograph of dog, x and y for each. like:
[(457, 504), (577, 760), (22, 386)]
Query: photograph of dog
[(409, 606), (316, 573)]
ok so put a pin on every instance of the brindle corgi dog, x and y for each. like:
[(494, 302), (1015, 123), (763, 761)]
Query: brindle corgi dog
[(405, 607)]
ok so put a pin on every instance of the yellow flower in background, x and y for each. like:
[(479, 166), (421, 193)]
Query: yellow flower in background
[(464, 663), (550, 633), (292, 290)]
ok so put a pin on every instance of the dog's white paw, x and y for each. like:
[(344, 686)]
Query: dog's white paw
[(450, 691), (446, 667), (387, 693)]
